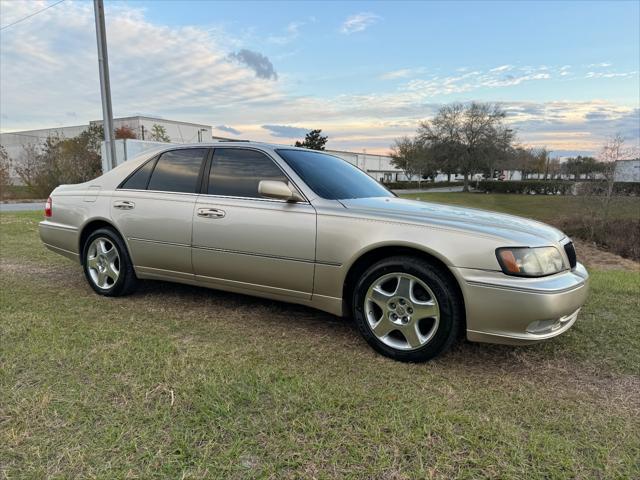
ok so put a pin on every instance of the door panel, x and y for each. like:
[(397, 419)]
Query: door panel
[(157, 228), (267, 244)]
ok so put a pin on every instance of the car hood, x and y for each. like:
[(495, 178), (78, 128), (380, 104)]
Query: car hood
[(517, 229)]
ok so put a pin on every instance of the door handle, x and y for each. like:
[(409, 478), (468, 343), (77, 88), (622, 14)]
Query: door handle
[(124, 205), (211, 213)]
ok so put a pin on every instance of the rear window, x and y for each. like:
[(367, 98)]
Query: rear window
[(178, 171), (139, 180)]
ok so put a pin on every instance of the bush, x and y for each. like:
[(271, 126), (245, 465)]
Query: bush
[(60, 161), (600, 187), (559, 187), (539, 187), (621, 236), (423, 184)]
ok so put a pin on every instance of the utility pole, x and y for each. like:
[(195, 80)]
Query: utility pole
[(105, 87)]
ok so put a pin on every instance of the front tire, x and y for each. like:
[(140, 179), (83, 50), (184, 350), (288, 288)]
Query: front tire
[(107, 265), (407, 308)]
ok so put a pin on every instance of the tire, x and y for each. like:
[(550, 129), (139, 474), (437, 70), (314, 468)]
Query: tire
[(107, 265), (407, 308)]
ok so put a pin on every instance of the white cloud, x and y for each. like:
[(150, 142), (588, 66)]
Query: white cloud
[(395, 74), (502, 68), (358, 22), (291, 32), (609, 74)]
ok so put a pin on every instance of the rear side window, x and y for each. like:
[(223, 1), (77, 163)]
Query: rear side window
[(237, 172), (178, 170), (139, 180)]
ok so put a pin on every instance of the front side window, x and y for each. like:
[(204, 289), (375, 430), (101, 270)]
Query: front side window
[(178, 171), (237, 172), (331, 177)]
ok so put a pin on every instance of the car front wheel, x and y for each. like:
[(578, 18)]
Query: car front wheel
[(107, 265), (407, 308)]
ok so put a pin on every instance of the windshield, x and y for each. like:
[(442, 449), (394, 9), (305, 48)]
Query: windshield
[(331, 177)]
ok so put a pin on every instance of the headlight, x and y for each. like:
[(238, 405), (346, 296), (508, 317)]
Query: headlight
[(530, 262)]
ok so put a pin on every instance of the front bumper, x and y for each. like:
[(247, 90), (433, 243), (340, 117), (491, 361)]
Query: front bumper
[(515, 310)]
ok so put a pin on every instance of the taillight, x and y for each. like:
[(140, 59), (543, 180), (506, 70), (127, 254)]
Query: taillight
[(48, 208)]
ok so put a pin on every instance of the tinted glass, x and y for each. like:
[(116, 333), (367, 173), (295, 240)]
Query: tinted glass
[(177, 171), (139, 180), (237, 172), (331, 177)]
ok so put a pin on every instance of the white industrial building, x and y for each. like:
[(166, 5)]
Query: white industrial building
[(142, 127)]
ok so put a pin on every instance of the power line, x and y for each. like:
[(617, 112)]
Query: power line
[(33, 14)]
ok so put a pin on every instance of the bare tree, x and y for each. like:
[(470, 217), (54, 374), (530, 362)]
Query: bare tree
[(470, 134), (5, 167)]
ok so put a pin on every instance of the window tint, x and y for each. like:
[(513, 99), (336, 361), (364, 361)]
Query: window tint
[(139, 180), (237, 172), (177, 171), (331, 177)]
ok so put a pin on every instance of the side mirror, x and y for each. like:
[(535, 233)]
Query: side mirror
[(279, 190)]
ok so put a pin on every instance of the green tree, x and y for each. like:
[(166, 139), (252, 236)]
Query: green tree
[(313, 140), (159, 134)]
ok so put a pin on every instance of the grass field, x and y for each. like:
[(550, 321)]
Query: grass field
[(183, 382), (541, 207)]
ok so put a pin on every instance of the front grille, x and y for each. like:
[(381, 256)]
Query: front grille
[(571, 254)]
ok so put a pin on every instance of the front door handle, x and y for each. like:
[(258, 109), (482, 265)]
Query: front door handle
[(211, 213), (124, 205)]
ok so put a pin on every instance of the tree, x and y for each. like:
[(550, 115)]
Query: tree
[(313, 140), (159, 134), (5, 167), (61, 160), (405, 153), (125, 132), (470, 135)]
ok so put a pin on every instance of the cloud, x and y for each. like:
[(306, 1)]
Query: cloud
[(502, 68), (395, 74), (185, 73), (292, 31), (286, 131), (599, 65), (228, 129), (358, 22), (609, 74), (257, 62)]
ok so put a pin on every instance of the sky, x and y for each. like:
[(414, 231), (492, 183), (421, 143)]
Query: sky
[(566, 73)]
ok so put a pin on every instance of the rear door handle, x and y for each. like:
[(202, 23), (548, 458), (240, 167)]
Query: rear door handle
[(124, 205), (211, 213)]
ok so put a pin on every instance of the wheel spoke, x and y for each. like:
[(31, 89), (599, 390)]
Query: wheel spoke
[(93, 263), (112, 254), (405, 286), (379, 296), (425, 310), (383, 327), (102, 246), (102, 279), (111, 272), (412, 336)]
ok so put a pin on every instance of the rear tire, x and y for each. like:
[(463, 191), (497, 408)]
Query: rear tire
[(407, 308), (107, 265)]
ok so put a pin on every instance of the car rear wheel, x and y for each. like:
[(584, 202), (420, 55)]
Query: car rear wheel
[(407, 308), (107, 265)]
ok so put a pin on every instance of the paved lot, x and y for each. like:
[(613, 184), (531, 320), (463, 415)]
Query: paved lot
[(21, 207)]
